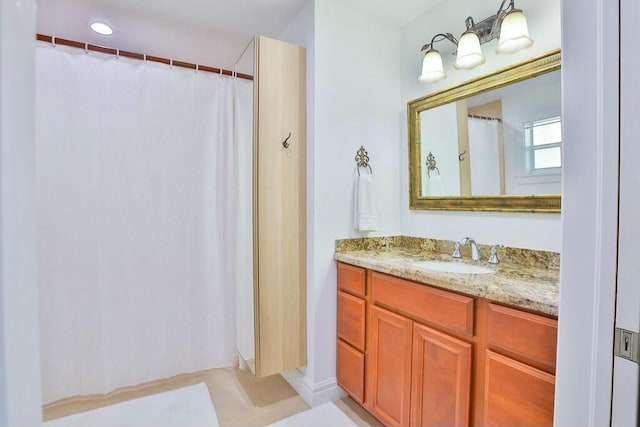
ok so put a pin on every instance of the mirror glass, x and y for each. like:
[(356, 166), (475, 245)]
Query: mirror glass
[(494, 143)]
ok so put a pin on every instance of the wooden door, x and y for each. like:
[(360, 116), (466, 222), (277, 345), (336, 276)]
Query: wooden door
[(516, 394), (279, 204), (389, 367), (441, 379)]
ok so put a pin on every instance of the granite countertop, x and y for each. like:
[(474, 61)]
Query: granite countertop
[(523, 278)]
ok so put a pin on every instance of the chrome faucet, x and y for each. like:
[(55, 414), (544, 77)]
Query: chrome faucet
[(475, 252), (493, 256)]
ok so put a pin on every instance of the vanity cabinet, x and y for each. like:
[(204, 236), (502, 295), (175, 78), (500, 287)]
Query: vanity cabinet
[(412, 354)]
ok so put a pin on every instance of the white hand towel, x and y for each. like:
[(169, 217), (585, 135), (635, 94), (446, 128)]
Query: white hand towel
[(364, 204), (434, 186)]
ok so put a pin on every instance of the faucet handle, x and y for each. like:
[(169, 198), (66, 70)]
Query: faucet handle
[(493, 255), (456, 251)]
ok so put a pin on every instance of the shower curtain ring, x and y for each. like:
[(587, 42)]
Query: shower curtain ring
[(86, 48), (53, 41)]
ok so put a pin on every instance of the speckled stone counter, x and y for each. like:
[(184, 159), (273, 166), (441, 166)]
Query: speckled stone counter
[(524, 278)]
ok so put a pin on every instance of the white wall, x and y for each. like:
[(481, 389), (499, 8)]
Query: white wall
[(520, 230), (20, 402), (354, 66)]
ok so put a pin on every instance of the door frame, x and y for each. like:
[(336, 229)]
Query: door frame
[(590, 84)]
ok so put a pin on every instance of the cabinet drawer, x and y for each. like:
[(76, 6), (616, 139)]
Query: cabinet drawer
[(351, 279), (524, 334), (351, 312), (350, 370), (516, 394), (446, 309)]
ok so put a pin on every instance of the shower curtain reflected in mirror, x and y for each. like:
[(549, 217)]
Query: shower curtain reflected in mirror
[(137, 207), (484, 156)]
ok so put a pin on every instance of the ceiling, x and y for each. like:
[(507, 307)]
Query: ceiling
[(208, 32)]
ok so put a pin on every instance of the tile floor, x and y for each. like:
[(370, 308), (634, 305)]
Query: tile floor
[(239, 398)]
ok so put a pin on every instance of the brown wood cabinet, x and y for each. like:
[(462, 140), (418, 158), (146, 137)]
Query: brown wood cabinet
[(279, 207), (516, 394), (351, 343), (416, 355), (441, 379), (389, 367)]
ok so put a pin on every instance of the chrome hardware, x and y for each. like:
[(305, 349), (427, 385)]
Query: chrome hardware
[(493, 255), (456, 251), (475, 252)]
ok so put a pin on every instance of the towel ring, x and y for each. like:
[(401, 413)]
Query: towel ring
[(366, 166), (431, 165)]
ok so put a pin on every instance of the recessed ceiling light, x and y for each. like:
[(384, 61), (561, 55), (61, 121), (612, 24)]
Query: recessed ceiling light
[(101, 28)]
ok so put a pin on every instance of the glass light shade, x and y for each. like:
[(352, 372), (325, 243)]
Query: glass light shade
[(469, 53), (514, 33), (432, 69)]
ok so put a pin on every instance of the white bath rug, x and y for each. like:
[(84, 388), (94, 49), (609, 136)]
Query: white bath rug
[(184, 407), (327, 415)]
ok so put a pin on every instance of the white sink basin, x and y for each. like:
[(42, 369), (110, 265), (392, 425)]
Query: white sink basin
[(452, 267)]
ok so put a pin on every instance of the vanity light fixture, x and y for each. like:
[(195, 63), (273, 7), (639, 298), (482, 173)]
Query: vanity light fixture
[(101, 28), (508, 25)]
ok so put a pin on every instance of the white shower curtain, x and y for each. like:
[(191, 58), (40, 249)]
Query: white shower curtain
[(137, 201), (484, 156)]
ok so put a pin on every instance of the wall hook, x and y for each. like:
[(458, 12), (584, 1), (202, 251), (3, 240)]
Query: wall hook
[(285, 143), (460, 156)]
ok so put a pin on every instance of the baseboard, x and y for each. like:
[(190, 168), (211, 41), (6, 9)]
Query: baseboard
[(313, 394)]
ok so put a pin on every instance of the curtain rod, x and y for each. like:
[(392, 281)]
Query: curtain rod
[(473, 116), (133, 55)]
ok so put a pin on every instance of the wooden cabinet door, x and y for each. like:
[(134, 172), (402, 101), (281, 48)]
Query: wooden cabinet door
[(441, 379), (516, 394), (279, 207), (389, 367), (350, 370)]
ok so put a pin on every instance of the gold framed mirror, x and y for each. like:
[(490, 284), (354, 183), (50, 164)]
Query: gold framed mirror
[(490, 144)]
